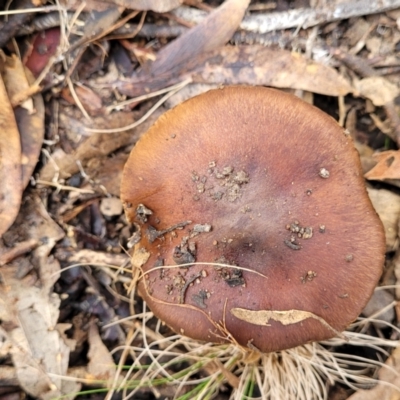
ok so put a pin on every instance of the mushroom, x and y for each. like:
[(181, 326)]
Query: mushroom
[(253, 224)]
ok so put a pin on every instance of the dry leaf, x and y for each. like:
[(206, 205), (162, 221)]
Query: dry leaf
[(387, 167), (107, 171), (387, 205), (31, 129), (378, 89), (29, 114), (44, 47), (10, 163), (389, 386), (248, 65), (139, 257), (288, 317), (101, 364), (29, 311), (395, 264), (16, 82), (35, 345), (98, 144), (42, 229), (216, 29), (258, 65), (90, 100)]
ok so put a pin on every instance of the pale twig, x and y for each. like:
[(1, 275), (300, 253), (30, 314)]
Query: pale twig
[(30, 10), (58, 186), (145, 116), (125, 103), (77, 100)]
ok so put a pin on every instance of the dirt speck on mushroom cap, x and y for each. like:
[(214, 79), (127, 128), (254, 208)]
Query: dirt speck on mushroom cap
[(246, 162)]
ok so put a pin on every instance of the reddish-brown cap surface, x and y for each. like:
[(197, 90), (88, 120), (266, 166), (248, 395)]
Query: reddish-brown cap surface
[(270, 189)]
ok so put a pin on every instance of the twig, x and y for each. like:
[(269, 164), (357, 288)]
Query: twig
[(18, 250), (186, 285), (145, 116), (63, 187), (300, 17)]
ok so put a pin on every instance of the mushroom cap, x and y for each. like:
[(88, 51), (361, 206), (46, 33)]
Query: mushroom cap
[(264, 194)]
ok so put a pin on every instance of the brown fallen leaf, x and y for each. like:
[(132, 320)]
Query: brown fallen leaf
[(259, 65), (387, 167), (18, 87), (214, 31), (31, 129), (44, 46), (29, 113), (248, 65), (10, 163), (90, 100)]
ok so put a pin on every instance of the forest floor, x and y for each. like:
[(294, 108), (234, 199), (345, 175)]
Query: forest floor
[(80, 83)]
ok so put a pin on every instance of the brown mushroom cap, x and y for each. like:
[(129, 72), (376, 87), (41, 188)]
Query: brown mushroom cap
[(270, 186)]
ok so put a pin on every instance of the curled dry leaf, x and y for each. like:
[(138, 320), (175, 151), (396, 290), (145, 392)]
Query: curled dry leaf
[(287, 317), (213, 32), (29, 113), (387, 167), (31, 128), (378, 89), (387, 205), (17, 84), (10, 163)]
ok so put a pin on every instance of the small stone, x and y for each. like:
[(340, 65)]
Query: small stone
[(111, 207), (349, 257), (323, 173)]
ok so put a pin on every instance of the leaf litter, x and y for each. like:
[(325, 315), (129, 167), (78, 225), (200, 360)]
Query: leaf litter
[(80, 128)]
